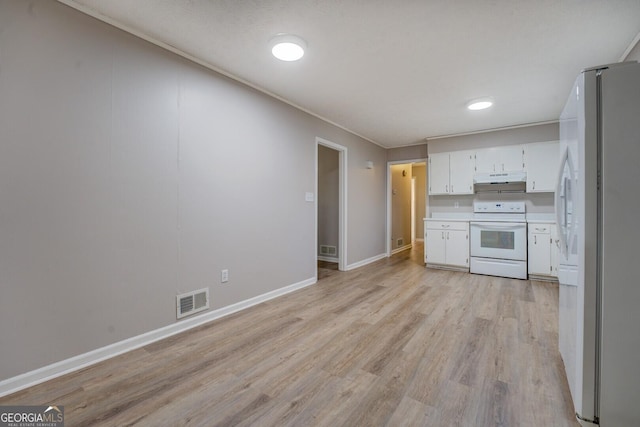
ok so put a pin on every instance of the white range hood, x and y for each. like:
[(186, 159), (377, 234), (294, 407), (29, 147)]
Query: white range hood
[(500, 178)]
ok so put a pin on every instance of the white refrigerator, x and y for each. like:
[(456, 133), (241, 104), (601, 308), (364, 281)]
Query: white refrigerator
[(598, 209)]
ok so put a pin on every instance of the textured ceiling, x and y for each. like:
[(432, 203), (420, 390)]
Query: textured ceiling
[(396, 72)]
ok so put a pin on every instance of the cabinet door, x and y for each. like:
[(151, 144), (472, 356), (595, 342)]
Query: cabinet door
[(439, 173), (542, 160), (486, 160), (510, 159), (457, 248), (461, 165), (539, 261), (435, 247)]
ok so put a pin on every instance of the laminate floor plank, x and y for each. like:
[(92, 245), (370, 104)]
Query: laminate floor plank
[(389, 344)]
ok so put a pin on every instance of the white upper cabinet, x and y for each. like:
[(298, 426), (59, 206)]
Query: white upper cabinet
[(542, 160), (461, 164), (499, 159), (451, 173), (439, 173)]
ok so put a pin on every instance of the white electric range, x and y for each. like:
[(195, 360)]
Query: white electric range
[(498, 239)]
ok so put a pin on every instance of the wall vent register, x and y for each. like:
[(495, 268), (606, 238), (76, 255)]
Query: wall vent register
[(192, 302), (328, 250)]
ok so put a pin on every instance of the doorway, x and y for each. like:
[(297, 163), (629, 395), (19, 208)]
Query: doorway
[(331, 204), (406, 204)]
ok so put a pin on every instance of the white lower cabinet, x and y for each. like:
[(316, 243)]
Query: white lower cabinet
[(446, 244), (543, 254)]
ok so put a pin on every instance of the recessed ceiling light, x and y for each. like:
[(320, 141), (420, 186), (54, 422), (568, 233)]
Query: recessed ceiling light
[(287, 47), (480, 104)]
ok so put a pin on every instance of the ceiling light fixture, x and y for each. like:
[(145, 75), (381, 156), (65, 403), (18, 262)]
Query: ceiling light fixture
[(287, 47), (480, 104)]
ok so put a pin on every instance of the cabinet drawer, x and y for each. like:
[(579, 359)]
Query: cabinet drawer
[(540, 228), (444, 225)]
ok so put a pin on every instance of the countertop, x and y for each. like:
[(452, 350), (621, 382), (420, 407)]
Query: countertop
[(448, 219), (537, 218)]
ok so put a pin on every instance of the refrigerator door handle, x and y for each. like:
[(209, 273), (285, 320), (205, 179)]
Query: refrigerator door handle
[(560, 208)]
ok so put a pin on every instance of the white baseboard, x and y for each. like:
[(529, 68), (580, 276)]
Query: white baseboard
[(403, 248), (365, 262), (328, 259), (40, 375)]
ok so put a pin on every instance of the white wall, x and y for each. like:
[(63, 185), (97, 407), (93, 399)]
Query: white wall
[(130, 175), (521, 135)]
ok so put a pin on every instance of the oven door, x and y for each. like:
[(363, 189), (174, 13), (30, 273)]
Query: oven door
[(500, 240)]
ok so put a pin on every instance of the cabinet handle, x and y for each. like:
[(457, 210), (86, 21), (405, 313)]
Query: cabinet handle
[(535, 239), (534, 185), (452, 188), (446, 188), (503, 167), (447, 235), (446, 225), (443, 235), (541, 229)]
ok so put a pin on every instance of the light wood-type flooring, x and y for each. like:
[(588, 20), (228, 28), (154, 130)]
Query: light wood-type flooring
[(388, 344)]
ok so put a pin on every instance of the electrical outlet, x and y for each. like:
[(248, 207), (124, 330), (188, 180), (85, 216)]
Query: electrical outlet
[(224, 276)]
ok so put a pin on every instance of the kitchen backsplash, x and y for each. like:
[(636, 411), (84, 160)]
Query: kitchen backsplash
[(542, 203)]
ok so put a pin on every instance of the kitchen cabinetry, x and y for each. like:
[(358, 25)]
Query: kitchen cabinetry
[(543, 251), (451, 173), (499, 159), (541, 161), (447, 244), (439, 173)]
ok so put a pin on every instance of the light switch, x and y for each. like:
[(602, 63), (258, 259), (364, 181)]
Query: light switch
[(308, 197)]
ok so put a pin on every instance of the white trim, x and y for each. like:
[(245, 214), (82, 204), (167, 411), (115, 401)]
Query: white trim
[(365, 262), (477, 132), (403, 248), (413, 205), (398, 162), (447, 267), (40, 375), (629, 48), (110, 21), (342, 202), (328, 259)]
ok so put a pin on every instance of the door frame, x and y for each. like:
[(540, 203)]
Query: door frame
[(389, 213), (342, 201)]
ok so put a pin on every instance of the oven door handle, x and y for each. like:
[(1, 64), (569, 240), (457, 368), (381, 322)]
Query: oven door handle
[(486, 226)]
